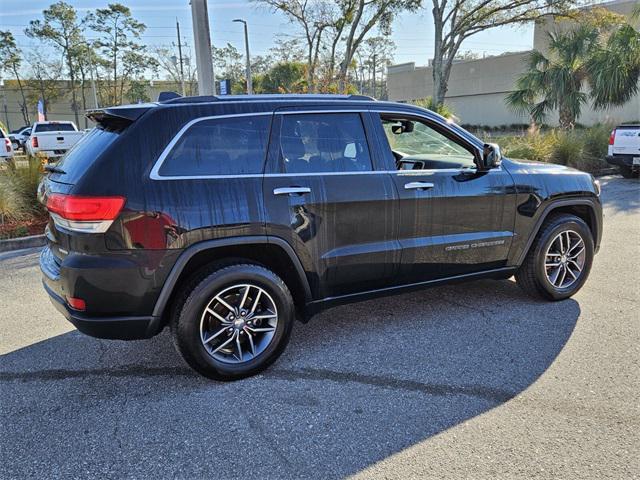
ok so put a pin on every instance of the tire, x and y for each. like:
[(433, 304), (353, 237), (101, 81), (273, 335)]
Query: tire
[(627, 172), (197, 321), (535, 276)]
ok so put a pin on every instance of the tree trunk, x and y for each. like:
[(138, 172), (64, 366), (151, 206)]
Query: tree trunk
[(436, 64), (566, 119), (24, 108)]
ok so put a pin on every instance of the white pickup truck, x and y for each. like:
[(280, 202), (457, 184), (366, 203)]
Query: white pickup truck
[(52, 139), (624, 150)]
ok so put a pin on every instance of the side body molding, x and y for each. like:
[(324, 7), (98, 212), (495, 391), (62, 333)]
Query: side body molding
[(192, 250)]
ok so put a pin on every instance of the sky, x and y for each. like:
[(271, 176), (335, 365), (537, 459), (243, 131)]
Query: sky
[(412, 32)]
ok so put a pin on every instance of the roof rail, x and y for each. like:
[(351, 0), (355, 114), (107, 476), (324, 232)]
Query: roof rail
[(265, 97)]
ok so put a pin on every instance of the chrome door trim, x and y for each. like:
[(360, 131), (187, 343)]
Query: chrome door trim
[(418, 185), (291, 190)]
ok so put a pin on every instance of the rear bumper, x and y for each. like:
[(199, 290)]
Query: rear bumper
[(623, 161), (100, 326), (116, 328)]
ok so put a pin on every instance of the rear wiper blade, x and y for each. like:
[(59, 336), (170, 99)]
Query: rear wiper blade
[(54, 169)]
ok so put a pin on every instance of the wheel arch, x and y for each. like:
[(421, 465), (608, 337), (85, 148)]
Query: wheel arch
[(587, 209), (271, 252)]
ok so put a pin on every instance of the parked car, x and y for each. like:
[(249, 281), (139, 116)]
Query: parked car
[(624, 150), (20, 136), (52, 139), (224, 218), (6, 148)]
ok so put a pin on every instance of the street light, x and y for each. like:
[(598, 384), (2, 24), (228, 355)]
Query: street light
[(246, 45)]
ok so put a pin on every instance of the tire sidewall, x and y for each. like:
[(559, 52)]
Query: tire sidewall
[(583, 230), (190, 315)]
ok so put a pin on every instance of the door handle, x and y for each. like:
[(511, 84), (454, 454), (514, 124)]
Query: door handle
[(418, 185), (291, 190)]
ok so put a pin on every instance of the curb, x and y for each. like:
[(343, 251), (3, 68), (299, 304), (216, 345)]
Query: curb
[(22, 242)]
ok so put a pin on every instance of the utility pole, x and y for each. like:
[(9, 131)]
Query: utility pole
[(202, 43), (246, 46), (180, 59)]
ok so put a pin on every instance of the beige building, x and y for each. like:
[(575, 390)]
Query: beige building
[(61, 108), (477, 88)]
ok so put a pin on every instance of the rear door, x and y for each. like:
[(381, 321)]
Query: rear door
[(326, 195), (453, 219)]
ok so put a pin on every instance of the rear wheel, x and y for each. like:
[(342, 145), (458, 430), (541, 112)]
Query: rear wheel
[(559, 261), (627, 172), (234, 322)]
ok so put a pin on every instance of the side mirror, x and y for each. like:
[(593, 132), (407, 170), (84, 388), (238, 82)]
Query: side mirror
[(491, 156)]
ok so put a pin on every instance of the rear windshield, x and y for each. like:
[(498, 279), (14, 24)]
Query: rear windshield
[(80, 157), (55, 127), (1, 133)]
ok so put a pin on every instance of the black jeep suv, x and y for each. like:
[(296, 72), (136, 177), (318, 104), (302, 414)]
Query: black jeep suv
[(226, 218)]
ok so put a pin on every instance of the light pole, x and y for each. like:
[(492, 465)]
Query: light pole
[(246, 46)]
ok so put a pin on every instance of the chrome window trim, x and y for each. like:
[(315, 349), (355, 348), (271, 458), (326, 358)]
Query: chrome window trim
[(154, 175)]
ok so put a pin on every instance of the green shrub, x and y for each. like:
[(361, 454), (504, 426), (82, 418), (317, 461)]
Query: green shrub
[(29, 178), (533, 146), (14, 205), (568, 149), (584, 149), (18, 193)]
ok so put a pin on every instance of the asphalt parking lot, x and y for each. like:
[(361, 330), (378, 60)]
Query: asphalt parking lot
[(465, 381)]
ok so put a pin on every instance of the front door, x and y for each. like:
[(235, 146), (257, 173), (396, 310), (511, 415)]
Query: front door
[(324, 195), (453, 219)]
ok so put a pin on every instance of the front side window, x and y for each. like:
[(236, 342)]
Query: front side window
[(220, 146), (324, 142), (417, 146)]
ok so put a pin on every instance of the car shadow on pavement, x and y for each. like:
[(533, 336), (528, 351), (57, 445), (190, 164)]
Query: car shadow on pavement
[(356, 385)]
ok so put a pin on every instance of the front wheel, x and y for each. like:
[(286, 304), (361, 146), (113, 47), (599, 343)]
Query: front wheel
[(559, 261), (233, 323)]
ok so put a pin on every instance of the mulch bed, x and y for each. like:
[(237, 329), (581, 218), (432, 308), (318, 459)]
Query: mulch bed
[(33, 226)]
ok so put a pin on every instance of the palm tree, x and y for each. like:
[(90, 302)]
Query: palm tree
[(593, 62)]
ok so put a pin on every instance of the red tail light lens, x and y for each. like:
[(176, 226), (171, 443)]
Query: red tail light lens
[(34, 142), (76, 303), (612, 137), (85, 209), (7, 143)]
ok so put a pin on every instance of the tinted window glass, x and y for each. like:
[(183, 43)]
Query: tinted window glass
[(324, 142), (78, 159), (55, 127), (223, 146)]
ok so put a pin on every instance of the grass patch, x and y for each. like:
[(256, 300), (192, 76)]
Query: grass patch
[(20, 212)]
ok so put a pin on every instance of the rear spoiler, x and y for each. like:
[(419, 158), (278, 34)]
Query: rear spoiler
[(118, 117)]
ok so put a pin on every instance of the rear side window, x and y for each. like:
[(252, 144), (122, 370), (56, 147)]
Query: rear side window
[(80, 157), (220, 146), (55, 127), (324, 142)]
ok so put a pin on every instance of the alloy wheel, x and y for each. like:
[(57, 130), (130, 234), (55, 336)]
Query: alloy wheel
[(238, 323), (565, 259)]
